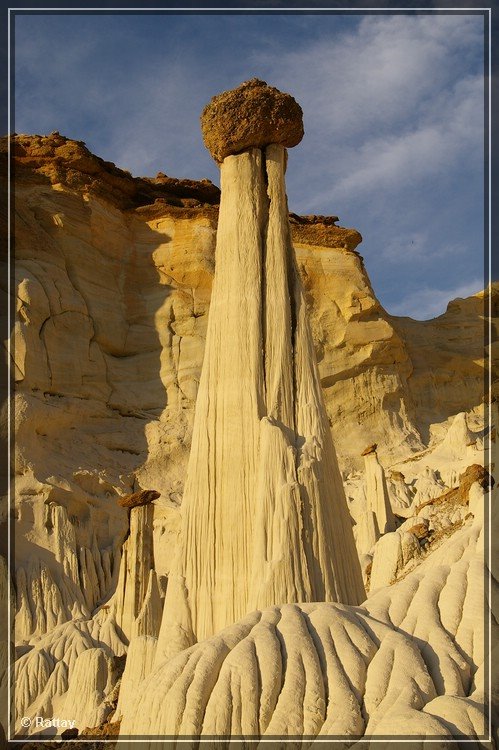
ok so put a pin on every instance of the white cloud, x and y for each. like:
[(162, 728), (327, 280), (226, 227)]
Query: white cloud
[(435, 144), (393, 110), (387, 105), (429, 302), (380, 74)]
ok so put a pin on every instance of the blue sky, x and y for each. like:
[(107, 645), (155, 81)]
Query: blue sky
[(393, 114)]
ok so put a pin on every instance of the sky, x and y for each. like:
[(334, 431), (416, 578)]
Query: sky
[(393, 114)]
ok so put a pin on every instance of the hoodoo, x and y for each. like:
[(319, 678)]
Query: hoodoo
[(264, 515), (378, 501)]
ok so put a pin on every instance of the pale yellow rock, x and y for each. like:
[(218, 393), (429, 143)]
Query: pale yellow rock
[(264, 516), (371, 508), (366, 532), (404, 663), (148, 619), (49, 701), (110, 360), (477, 502), (391, 554), (378, 500), (401, 494), (137, 594), (92, 681), (110, 334), (139, 662), (438, 468), (448, 343), (34, 670)]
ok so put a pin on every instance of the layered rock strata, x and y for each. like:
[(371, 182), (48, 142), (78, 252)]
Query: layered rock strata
[(264, 516)]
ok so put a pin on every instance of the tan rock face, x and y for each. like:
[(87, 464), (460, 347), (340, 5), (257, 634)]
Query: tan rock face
[(252, 115), (109, 361), (63, 160), (447, 359), (134, 340)]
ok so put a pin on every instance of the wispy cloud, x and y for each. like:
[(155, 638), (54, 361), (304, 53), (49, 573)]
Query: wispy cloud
[(393, 112), (379, 74), (429, 302), (393, 102), (428, 149)]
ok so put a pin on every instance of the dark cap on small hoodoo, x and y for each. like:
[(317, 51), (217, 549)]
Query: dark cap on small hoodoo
[(144, 497), (253, 115)]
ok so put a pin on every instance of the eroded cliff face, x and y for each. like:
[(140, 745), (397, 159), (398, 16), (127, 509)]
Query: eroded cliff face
[(113, 287), (126, 266), (114, 279)]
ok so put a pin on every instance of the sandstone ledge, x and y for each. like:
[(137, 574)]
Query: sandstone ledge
[(322, 230), (70, 163), (64, 161), (136, 499)]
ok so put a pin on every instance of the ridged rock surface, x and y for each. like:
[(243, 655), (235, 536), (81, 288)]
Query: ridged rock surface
[(264, 513), (409, 662), (111, 361)]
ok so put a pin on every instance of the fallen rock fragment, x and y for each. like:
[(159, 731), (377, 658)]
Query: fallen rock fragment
[(420, 530)]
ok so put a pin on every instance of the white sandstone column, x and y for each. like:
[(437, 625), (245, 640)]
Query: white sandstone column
[(264, 515)]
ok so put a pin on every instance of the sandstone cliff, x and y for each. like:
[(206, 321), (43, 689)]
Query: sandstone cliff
[(138, 324), (113, 286), (114, 279)]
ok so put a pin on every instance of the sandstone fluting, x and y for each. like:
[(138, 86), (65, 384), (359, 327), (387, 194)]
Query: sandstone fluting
[(147, 347), (135, 601), (264, 515), (253, 115), (114, 278)]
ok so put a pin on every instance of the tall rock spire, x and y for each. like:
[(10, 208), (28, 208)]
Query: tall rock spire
[(378, 499), (264, 515)]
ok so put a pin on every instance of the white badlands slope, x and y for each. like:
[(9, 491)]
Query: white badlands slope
[(409, 662)]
